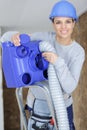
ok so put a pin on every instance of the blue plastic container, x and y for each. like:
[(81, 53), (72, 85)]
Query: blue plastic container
[(23, 65)]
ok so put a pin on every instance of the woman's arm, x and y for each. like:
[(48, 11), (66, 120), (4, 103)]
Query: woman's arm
[(7, 36), (69, 75), (14, 37)]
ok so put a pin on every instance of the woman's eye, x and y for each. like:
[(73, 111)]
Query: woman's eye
[(57, 22), (60, 22), (68, 21)]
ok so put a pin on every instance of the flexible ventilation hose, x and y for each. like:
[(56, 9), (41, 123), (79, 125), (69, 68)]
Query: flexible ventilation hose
[(55, 91)]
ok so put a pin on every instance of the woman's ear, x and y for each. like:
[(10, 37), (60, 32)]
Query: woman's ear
[(53, 26), (74, 22)]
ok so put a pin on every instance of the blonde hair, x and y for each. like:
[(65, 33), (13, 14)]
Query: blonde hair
[(76, 32)]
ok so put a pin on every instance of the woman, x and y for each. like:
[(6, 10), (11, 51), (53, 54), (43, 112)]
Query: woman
[(69, 57)]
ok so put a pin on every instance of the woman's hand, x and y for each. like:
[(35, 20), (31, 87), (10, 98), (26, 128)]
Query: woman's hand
[(16, 39), (50, 57)]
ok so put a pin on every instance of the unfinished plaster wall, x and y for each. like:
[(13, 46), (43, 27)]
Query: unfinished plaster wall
[(80, 94)]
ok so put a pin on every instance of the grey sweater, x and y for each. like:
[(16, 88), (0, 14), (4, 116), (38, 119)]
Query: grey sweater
[(68, 65)]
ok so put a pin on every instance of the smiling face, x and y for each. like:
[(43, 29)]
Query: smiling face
[(63, 27)]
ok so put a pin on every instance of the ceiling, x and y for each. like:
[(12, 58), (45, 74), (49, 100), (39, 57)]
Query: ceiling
[(31, 14)]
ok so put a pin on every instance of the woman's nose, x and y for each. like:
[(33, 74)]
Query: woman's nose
[(63, 25)]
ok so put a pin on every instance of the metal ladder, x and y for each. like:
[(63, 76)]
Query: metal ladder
[(19, 96)]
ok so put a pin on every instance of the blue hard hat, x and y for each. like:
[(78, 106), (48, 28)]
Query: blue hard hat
[(63, 9)]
